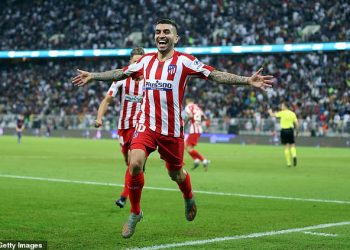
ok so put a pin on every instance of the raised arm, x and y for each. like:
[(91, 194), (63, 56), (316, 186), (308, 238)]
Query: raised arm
[(85, 77), (257, 80), (102, 110)]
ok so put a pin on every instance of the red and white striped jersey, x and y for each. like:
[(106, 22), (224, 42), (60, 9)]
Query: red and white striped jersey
[(165, 84), (130, 96), (194, 113)]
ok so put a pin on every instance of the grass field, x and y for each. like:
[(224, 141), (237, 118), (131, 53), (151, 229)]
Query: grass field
[(252, 198)]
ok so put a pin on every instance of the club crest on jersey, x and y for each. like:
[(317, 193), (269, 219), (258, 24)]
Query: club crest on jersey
[(172, 69), (136, 134)]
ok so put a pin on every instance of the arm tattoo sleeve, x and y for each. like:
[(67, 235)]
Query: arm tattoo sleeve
[(112, 75), (228, 78)]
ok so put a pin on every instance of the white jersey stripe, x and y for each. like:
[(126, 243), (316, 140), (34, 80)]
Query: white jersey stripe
[(164, 109), (152, 110), (152, 114)]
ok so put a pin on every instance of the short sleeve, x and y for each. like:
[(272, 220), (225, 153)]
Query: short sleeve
[(113, 89), (196, 68), (135, 69), (295, 119)]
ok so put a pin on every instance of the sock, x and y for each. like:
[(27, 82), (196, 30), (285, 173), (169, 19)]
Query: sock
[(196, 155), (186, 187), (135, 185), (287, 155), (293, 151), (125, 192)]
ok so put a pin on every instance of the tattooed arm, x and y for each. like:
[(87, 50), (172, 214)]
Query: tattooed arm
[(112, 75), (85, 77), (256, 80), (228, 78)]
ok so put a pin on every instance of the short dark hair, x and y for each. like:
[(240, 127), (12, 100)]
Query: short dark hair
[(137, 51), (167, 21), (286, 103)]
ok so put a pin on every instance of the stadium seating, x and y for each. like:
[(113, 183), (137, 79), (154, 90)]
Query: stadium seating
[(316, 84), (93, 24)]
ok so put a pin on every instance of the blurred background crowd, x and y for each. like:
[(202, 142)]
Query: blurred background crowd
[(316, 84), (97, 24)]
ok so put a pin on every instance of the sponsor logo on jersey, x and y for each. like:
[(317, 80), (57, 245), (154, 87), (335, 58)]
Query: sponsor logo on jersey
[(158, 85), (172, 69), (133, 98)]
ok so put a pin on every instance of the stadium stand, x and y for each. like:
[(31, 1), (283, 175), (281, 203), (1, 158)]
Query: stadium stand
[(316, 84), (90, 24)]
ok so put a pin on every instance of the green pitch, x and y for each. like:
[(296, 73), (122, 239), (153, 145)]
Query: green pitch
[(261, 197)]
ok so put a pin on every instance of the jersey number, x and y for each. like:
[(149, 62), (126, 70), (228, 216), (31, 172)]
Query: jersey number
[(140, 128)]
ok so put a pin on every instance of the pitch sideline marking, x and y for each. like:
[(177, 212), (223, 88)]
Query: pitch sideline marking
[(238, 237), (175, 190), (321, 234)]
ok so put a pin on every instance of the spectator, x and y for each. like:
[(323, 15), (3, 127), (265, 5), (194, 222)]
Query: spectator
[(306, 79), (33, 25)]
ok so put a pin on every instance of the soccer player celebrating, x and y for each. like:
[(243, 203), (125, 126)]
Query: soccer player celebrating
[(130, 95), (166, 74), (288, 122), (19, 128), (194, 116)]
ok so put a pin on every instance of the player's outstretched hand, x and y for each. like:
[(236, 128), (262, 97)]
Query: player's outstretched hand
[(82, 78), (98, 123), (259, 81)]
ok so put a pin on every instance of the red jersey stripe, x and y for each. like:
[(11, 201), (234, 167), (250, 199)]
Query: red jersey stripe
[(156, 96), (159, 71), (125, 103), (148, 69), (170, 101)]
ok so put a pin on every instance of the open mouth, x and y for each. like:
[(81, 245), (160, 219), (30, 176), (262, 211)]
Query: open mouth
[(162, 42)]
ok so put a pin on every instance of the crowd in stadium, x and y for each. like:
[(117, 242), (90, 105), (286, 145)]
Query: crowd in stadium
[(117, 24), (316, 84)]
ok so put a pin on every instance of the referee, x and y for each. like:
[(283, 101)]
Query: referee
[(288, 122)]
